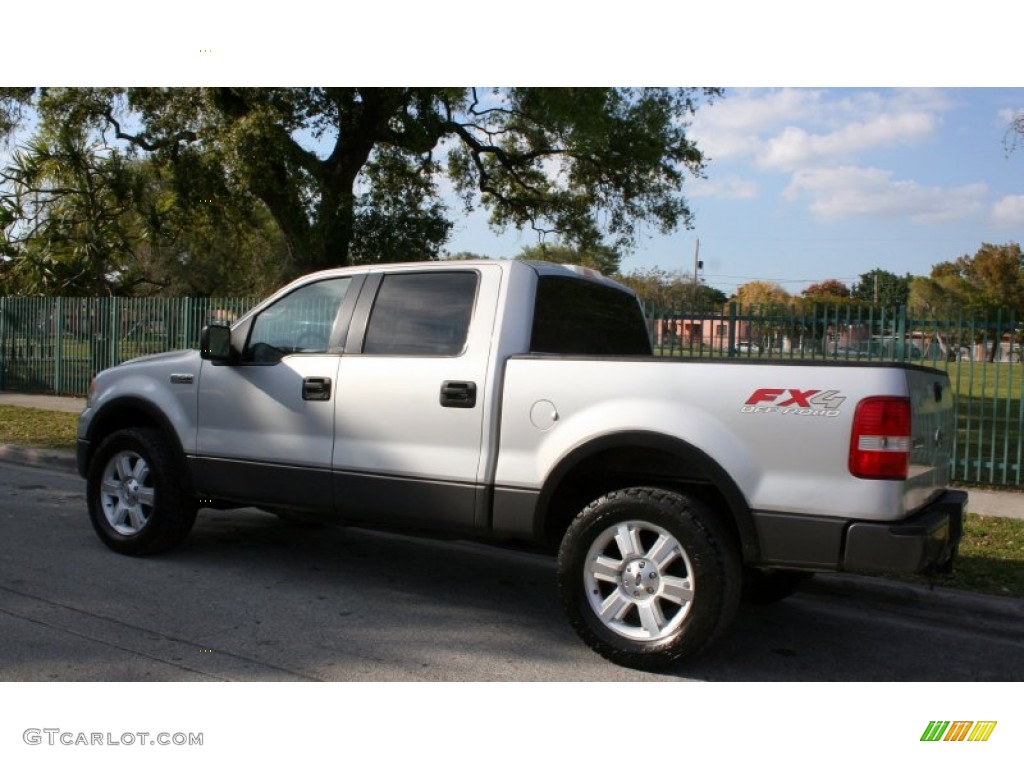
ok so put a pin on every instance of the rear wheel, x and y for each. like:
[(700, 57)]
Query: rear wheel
[(648, 577), (136, 503)]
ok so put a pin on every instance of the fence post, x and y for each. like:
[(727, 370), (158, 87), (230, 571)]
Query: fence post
[(58, 347), (732, 329), (3, 341), (901, 333), (115, 312), (186, 325)]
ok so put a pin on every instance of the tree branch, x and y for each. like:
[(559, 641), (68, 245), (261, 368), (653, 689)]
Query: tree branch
[(172, 141)]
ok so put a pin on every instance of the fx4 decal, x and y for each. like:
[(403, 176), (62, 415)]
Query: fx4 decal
[(795, 402)]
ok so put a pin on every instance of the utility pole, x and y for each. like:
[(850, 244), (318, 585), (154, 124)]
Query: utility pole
[(697, 266)]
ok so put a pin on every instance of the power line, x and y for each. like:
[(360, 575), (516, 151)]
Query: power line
[(777, 280)]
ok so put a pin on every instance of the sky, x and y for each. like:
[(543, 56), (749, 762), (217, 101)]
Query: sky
[(807, 184)]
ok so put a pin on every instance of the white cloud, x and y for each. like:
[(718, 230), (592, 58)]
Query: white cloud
[(731, 127), (729, 188), (795, 148), (792, 128), (848, 191), (1009, 211)]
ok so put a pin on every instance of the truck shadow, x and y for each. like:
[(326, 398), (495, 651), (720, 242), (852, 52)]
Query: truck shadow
[(345, 603)]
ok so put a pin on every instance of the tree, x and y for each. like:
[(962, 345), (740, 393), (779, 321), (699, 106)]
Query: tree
[(762, 292), (664, 289), (827, 290), (350, 174), (989, 282), (939, 295), (77, 218), (600, 257), (1014, 133), (66, 222), (991, 279), (882, 288), (998, 272)]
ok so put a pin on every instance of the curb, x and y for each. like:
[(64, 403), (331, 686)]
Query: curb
[(39, 457)]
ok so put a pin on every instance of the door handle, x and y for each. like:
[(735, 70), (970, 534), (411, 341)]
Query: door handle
[(458, 394), (316, 388)]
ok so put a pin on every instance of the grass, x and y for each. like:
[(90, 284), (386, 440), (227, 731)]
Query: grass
[(991, 558), (36, 428), (991, 552)]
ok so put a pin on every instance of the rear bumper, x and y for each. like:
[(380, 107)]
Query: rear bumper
[(927, 541), (924, 542)]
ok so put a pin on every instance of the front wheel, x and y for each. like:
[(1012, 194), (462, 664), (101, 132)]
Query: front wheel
[(649, 577), (136, 503)]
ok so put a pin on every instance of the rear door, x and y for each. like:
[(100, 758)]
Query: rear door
[(411, 402)]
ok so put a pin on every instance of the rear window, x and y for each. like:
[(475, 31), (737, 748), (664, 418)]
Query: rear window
[(421, 314), (580, 317)]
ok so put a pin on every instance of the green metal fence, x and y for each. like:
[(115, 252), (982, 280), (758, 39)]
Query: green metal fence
[(56, 345)]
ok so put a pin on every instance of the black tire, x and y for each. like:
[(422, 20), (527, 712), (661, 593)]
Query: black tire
[(667, 593), (771, 586), (136, 501)]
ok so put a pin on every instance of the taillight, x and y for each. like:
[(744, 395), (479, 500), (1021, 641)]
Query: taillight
[(880, 443)]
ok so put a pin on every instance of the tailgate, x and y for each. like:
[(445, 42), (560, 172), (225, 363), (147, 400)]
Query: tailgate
[(933, 429)]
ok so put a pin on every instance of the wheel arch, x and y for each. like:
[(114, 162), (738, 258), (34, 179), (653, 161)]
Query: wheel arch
[(125, 413), (639, 458)]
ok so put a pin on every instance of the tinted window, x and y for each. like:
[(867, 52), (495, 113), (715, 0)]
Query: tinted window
[(302, 321), (579, 317), (421, 314)]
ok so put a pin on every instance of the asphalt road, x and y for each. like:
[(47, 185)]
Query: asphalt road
[(251, 598)]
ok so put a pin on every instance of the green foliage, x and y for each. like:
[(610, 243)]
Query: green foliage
[(992, 278), (762, 293), (600, 257), (832, 291), (400, 217), (78, 217), (563, 159), (349, 174), (66, 212), (12, 108), (882, 288), (661, 289)]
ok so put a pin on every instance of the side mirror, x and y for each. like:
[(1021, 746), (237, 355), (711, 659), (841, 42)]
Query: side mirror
[(215, 344)]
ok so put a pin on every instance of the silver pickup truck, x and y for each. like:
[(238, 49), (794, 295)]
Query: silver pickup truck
[(520, 402)]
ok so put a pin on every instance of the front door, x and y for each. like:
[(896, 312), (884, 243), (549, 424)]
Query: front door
[(266, 425)]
